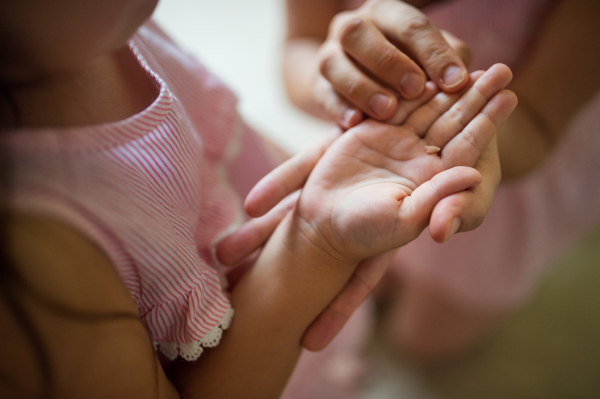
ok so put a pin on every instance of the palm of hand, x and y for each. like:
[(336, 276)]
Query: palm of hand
[(360, 197), (376, 186)]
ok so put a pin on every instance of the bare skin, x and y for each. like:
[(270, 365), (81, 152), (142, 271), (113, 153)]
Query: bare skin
[(305, 271), (558, 79), (292, 174), (67, 281), (345, 65)]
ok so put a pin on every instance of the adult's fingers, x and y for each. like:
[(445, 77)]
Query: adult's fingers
[(364, 279), (250, 236), (419, 206), (411, 30), (468, 106), (371, 49), (461, 48), (286, 178), (352, 83), (407, 107), (345, 114), (466, 210)]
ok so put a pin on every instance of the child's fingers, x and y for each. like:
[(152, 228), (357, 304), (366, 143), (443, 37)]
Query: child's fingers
[(286, 178), (332, 319), (406, 107), (468, 106), (423, 117), (419, 205), (466, 147), (253, 234)]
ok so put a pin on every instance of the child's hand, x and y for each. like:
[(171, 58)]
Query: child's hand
[(292, 175), (376, 186), (362, 68)]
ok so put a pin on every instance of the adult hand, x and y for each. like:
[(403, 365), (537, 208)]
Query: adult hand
[(371, 59), (469, 206)]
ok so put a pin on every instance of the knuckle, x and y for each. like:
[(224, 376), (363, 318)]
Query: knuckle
[(339, 21), (436, 51), (353, 87), (326, 63), (435, 184), (489, 120), (471, 138), (417, 25), (351, 30), (437, 56), (457, 113), (387, 60)]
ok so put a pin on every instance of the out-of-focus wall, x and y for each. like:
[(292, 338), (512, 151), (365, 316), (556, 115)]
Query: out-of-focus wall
[(240, 40)]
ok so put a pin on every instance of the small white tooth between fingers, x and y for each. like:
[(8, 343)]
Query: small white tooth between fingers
[(431, 149)]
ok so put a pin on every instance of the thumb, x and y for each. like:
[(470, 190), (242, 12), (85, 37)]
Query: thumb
[(286, 178), (419, 205)]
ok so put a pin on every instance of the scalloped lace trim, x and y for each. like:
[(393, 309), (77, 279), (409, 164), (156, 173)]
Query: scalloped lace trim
[(192, 351)]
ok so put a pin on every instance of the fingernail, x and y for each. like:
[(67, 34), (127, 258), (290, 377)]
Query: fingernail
[(453, 229), (453, 75), (349, 118), (412, 84), (380, 104)]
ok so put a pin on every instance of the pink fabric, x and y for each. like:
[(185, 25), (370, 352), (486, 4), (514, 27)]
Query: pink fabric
[(496, 30), (530, 221), (155, 190), (152, 190)]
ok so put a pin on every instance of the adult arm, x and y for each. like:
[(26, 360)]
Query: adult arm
[(559, 76)]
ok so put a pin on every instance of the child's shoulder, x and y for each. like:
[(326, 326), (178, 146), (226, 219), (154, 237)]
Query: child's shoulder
[(81, 310), (62, 265)]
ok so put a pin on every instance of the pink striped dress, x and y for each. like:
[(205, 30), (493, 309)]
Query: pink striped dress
[(153, 191)]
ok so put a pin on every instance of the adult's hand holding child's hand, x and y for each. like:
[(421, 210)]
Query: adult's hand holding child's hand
[(373, 56), (377, 185)]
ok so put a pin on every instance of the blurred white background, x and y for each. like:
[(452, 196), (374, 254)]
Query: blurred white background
[(240, 41)]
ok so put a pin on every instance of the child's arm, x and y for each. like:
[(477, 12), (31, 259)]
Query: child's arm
[(355, 204), (292, 175), (372, 191), (292, 281)]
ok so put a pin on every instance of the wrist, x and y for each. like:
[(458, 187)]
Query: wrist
[(301, 239), (291, 283)]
